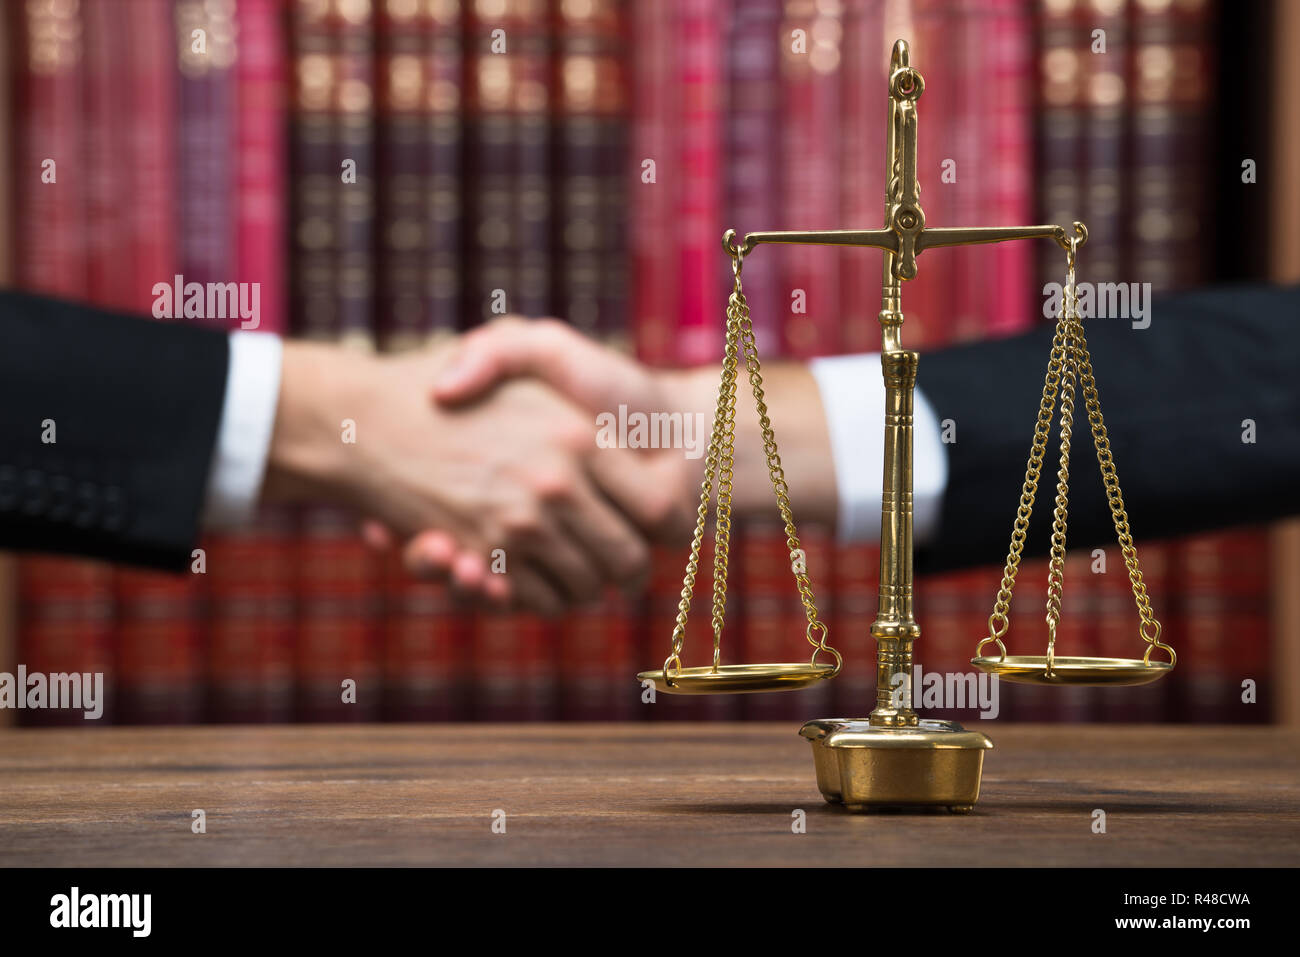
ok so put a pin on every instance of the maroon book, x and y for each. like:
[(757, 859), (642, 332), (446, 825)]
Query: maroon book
[(753, 173)]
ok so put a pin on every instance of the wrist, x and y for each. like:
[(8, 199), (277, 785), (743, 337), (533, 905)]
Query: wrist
[(308, 458)]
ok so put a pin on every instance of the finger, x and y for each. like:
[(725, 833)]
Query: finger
[(588, 373), (615, 545), (376, 535), (575, 573), (533, 591), (429, 554), (648, 489)]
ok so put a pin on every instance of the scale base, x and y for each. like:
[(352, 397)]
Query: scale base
[(862, 767)]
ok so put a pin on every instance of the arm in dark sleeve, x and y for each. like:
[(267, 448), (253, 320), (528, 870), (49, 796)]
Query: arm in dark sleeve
[(133, 407), (1175, 398)]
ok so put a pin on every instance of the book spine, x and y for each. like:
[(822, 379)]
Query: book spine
[(492, 138), (1106, 105), (443, 175), (66, 617), (652, 181), (426, 652), (514, 667), (402, 317), (253, 623), (809, 144), (251, 584), (862, 169), (927, 301), (753, 171), (1206, 628), (1117, 634), (8, 563), (1249, 689), (65, 607), (698, 29), (108, 266), (856, 574), (316, 164), (1060, 126), (532, 93), (339, 641), (1007, 118)]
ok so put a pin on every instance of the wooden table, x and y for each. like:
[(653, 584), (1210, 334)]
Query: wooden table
[(635, 794)]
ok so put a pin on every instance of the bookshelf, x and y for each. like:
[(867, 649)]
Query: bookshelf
[(572, 143)]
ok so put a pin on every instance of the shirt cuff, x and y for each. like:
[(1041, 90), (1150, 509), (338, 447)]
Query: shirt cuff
[(853, 396), (244, 436)]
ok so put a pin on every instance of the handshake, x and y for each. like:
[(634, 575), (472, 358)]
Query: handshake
[(491, 461)]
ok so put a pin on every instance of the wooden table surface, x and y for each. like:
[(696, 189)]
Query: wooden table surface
[(638, 794)]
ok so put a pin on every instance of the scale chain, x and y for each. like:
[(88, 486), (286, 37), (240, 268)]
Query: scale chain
[(1069, 362), (719, 463)]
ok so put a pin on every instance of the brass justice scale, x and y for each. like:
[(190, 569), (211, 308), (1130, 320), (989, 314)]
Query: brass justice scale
[(893, 757)]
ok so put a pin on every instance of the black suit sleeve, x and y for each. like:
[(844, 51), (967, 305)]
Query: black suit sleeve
[(1175, 397), (133, 408)]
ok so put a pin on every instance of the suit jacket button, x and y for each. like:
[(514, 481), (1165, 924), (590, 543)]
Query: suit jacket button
[(87, 505), (8, 487), (114, 515), (36, 496), (61, 495)]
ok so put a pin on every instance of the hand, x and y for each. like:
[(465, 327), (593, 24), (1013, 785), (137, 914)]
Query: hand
[(602, 380), (516, 469)]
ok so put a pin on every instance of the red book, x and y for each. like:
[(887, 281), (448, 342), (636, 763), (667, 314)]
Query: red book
[(49, 208), (515, 668), (753, 173), (810, 113), (65, 607), (354, 91), (1061, 50), (1006, 196), (250, 571), (1077, 633), (108, 268), (863, 100), (253, 622), (444, 85), (652, 183), (1205, 632), (1117, 635), (65, 612), (1248, 580), (700, 71), (597, 658), (588, 81), (426, 651), (856, 589), (339, 636)]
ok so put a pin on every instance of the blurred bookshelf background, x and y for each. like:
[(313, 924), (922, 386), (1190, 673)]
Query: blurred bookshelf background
[(500, 144)]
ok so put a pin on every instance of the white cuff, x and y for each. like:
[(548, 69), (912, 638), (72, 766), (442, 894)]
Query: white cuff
[(853, 395), (244, 436)]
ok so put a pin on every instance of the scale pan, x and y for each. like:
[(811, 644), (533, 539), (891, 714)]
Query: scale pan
[(740, 679), (1032, 669)]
